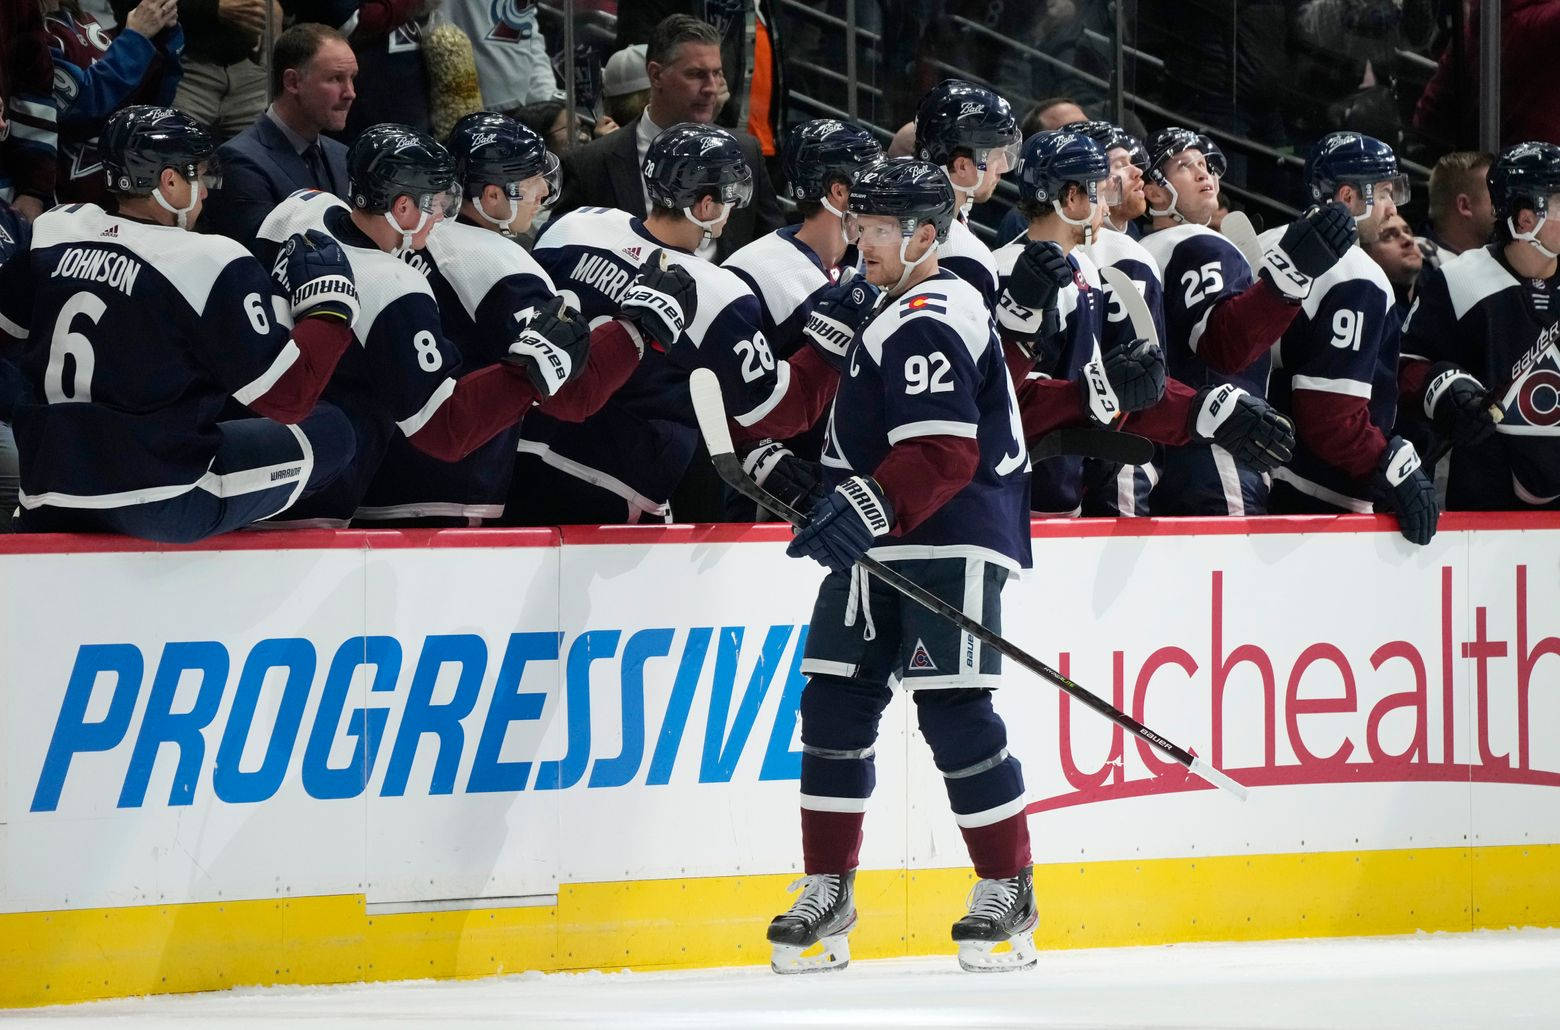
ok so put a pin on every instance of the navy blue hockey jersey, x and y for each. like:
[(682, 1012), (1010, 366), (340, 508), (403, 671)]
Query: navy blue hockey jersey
[(1474, 312), (1200, 268), (404, 368), (929, 363), (963, 254), (487, 287), (139, 334), (639, 445), (785, 275)]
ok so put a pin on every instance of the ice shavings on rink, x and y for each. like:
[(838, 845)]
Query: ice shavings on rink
[(1480, 981)]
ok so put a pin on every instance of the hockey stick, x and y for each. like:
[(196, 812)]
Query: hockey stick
[(1237, 228), (710, 410), (1091, 442)]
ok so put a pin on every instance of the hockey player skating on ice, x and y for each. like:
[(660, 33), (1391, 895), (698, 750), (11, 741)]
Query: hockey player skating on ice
[(140, 331), (488, 288), (1071, 363), (1479, 345), (1336, 367), (1219, 321), (928, 474)]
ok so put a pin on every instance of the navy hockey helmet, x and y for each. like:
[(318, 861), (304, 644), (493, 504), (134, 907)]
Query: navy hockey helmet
[(1051, 161), (956, 115), (818, 152), (1526, 177), (389, 161), (138, 142), (911, 190), (1110, 136), (1168, 142), (1353, 159), (492, 149), (690, 161)]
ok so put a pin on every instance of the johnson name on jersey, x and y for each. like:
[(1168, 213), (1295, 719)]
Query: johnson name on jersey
[(1200, 269), (928, 364)]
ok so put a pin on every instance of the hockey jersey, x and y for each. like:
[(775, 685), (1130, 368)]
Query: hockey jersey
[(487, 287), (963, 254), (139, 334), (785, 275), (1118, 250), (1343, 346), (403, 370), (1201, 268), (641, 442), (1475, 312), (929, 363)]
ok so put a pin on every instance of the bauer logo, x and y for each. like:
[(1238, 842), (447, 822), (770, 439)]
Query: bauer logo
[(197, 721)]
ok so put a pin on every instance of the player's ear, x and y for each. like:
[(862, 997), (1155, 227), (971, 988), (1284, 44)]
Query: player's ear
[(169, 181), (492, 194), (839, 194), (1157, 196), (1527, 220)]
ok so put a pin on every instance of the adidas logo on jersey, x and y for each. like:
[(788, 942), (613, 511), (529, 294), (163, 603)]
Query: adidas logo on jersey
[(632, 252), (921, 659), (111, 231)]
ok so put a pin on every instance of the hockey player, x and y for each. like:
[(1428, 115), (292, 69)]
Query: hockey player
[(1335, 369), (406, 377), (487, 288), (1483, 333), (970, 132), (928, 473), (1084, 367), (1219, 323), (625, 461), (793, 269), (140, 331)]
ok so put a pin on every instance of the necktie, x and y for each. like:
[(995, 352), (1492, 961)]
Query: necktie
[(319, 175)]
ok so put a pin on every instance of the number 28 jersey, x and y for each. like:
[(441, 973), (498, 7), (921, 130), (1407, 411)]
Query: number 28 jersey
[(929, 364)]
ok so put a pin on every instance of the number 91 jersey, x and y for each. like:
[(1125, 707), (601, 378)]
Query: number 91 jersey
[(929, 364)]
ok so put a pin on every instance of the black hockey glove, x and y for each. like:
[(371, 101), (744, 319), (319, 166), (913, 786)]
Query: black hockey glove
[(842, 525), (1250, 428), (1130, 377), (796, 481), (1315, 242), (1402, 486), (317, 276), (662, 300), (552, 347), (839, 312), (1458, 407), (1038, 275)]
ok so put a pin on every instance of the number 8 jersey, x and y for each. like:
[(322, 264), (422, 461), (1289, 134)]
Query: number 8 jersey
[(929, 364)]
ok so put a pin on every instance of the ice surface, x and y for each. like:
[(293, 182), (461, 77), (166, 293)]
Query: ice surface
[(1480, 981)]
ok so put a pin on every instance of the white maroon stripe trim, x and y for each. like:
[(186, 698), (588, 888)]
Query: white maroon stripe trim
[(10, 328), (286, 359), (1321, 493), (1347, 387), (101, 501), (436, 401), (819, 803), (933, 427), (782, 384), (990, 815)]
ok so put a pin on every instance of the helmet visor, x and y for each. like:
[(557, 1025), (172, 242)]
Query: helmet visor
[(876, 231), (1001, 159), (740, 192), (1395, 189), (1109, 191), (549, 177)]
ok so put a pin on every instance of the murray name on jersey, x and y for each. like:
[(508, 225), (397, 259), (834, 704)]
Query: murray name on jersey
[(929, 363)]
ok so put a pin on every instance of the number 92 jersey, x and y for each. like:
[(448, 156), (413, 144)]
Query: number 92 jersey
[(929, 364)]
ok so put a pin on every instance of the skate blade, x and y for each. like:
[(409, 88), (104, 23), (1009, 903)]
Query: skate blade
[(830, 953), (982, 956)]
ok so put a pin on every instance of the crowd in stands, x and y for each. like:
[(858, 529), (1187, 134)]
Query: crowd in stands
[(294, 94)]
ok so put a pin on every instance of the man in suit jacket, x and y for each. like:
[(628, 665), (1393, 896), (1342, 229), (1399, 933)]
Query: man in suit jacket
[(312, 68), (683, 61)]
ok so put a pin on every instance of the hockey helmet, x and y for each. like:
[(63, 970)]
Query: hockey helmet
[(913, 191), (690, 161), (492, 149), (822, 150), (138, 142), (389, 161), (1353, 159), (1052, 160), (957, 115)]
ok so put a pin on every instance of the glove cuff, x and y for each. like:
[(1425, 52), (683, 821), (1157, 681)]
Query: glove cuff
[(830, 336), (1016, 318), (327, 289), (548, 366), (1398, 461), (1215, 405), (867, 500), (1280, 272), (1099, 397), (1442, 377), (762, 460)]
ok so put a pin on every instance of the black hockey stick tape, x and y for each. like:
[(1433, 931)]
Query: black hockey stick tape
[(710, 410)]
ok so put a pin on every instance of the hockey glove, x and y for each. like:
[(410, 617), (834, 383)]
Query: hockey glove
[(1250, 428), (317, 276), (662, 300), (1129, 378), (1315, 242), (839, 312), (842, 525), (552, 347), (1457, 405), (796, 481), (1030, 290), (1402, 486)]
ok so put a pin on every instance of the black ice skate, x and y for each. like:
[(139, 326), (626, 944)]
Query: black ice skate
[(824, 914), (1001, 912)]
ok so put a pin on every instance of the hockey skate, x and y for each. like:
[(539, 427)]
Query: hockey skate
[(823, 915), (1001, 912)]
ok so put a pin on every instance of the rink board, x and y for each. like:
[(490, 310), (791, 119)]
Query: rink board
[(323, 757)]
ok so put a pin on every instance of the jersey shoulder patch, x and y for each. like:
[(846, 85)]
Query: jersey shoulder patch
[(1472, 276)]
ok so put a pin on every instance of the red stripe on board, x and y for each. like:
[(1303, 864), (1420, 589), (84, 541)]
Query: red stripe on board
[(679, 533), (282, 540)]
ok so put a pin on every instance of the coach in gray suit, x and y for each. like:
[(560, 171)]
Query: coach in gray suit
[(686, 85), (285, 150)]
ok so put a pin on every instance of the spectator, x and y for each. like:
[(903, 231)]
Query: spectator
[(15, 306), (223, 86), (683, 65), (28, 139), (1529, 35), (903, 143), (312, 68), (625, 85), (550, 120), (95, 76), (1053, 114), (1397, 252), (513, 68), (392, 82), (1461, 216)]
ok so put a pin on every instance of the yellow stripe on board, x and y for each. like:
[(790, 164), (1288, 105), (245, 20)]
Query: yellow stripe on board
[(79, 955)]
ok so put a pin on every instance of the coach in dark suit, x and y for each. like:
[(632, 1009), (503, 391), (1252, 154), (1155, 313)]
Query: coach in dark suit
[(285, 150), (686, 85)]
